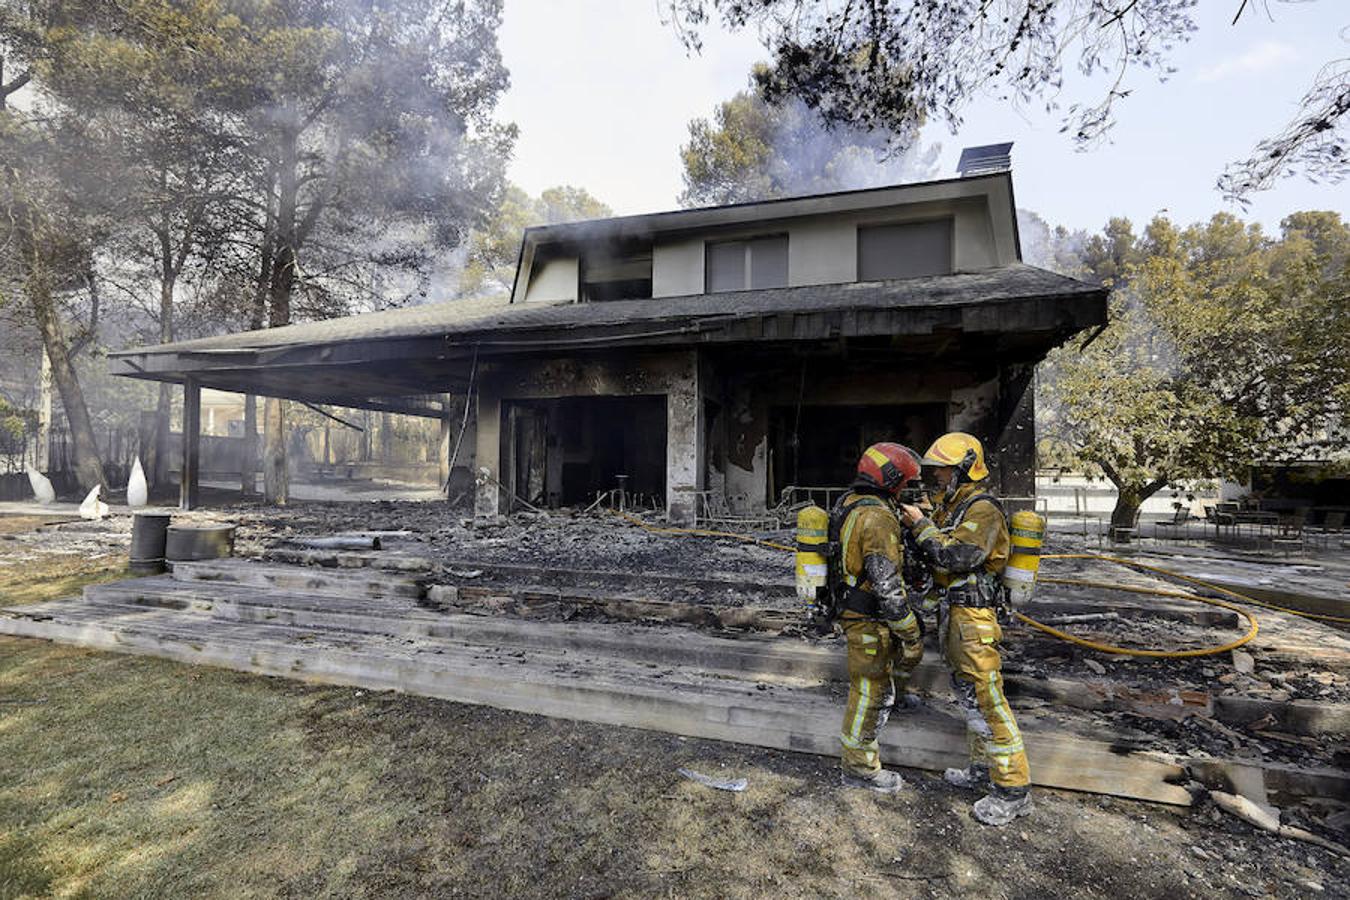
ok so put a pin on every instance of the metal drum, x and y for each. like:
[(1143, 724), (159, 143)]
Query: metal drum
[(192, 542), (148, 534)]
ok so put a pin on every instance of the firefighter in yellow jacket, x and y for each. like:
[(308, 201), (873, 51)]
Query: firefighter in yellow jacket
[(882, 631), (966, 544)]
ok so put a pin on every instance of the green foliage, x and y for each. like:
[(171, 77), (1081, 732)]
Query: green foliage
[(351, 141), (752, 149), (887, 67), (493, 249), (1224, 348), (16, 424)]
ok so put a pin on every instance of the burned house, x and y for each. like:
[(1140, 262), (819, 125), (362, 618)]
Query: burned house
[(705, 359)]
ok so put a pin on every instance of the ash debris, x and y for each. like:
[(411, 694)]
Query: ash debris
[(91, 540)]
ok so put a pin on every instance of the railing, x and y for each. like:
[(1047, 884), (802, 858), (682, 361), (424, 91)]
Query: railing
[(796, 496), (1038, 505)]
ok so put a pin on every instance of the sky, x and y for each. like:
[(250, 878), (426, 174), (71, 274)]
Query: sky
[(603, 93)]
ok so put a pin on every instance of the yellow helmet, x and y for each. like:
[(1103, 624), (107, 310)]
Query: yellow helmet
[(962, 452)]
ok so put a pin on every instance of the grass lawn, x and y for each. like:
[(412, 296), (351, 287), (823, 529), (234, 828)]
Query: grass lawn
[(57, 576)]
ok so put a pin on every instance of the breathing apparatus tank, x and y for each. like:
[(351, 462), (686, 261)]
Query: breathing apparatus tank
[(813, 536), (1024, 561)]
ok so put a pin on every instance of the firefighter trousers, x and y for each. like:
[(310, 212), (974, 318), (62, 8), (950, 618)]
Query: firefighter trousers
[(881, 656), (970, 637)]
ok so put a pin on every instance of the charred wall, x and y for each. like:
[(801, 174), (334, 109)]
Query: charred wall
[(516, 383), (769, 403), (739, 425)]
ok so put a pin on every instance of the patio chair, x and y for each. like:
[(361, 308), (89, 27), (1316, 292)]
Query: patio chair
[(1124, 533), (1288, 535), (1221, 517), (1180, 523), (1333, 526)]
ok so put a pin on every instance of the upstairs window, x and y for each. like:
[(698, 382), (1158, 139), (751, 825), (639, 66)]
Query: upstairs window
[(911, 250), (616, 271), (748, 265)]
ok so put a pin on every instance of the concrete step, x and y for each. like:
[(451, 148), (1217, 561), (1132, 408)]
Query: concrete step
[(711, 583), (751, 656), (301, 578), (711, 599), (564, 602), (376, 560), (605, 690), (720, 591), (759, 657), (389, 615)]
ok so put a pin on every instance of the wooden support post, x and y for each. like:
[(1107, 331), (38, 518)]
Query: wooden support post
[(444, 444), (684, 444), (248, 469), (192, 442)]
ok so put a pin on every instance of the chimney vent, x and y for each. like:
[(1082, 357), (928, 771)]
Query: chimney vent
[(985, 160)]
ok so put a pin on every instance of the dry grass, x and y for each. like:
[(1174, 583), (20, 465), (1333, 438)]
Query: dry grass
[(17, 524), (55, 577)]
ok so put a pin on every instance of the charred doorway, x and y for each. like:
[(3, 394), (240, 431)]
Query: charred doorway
[(819, 446), (563, 452)]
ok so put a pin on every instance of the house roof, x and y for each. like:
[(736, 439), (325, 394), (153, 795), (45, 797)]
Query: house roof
[(401, 359), (701, 217), (472, 321), (409, 321)]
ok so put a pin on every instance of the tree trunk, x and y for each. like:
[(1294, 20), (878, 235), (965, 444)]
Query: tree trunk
[(248, 471), (158, 470), (157, 466), (42, 462), (276, 483), (276, 486), (88, 466), (1129, 498)]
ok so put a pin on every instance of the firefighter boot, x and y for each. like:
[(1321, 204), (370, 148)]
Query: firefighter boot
[(884, 781), (1001, 805), (972, 777)]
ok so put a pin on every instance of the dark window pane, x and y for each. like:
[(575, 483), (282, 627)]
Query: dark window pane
[(905, 251), (726, 266), (769, 262)]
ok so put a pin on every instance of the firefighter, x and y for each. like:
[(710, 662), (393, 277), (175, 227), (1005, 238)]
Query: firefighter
[(884, 640), (966, 543)]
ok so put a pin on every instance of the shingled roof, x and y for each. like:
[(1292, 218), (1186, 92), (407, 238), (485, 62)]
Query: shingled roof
[(471, 321), (400, 359)]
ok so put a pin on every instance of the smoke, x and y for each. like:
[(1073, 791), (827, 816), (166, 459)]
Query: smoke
[(753, 150), (1051, 247), (809, 157)]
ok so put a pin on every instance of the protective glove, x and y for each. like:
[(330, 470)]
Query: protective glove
[(911, 652)]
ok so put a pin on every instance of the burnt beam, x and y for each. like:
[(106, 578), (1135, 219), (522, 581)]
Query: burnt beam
[(188, 487)]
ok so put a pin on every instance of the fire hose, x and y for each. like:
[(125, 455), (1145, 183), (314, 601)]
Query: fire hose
[(1079, 582)]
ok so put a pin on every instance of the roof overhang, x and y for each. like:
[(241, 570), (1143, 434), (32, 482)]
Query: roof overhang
[(405, 362)]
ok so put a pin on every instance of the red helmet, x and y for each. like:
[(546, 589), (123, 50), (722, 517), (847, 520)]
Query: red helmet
[(888, 466)]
